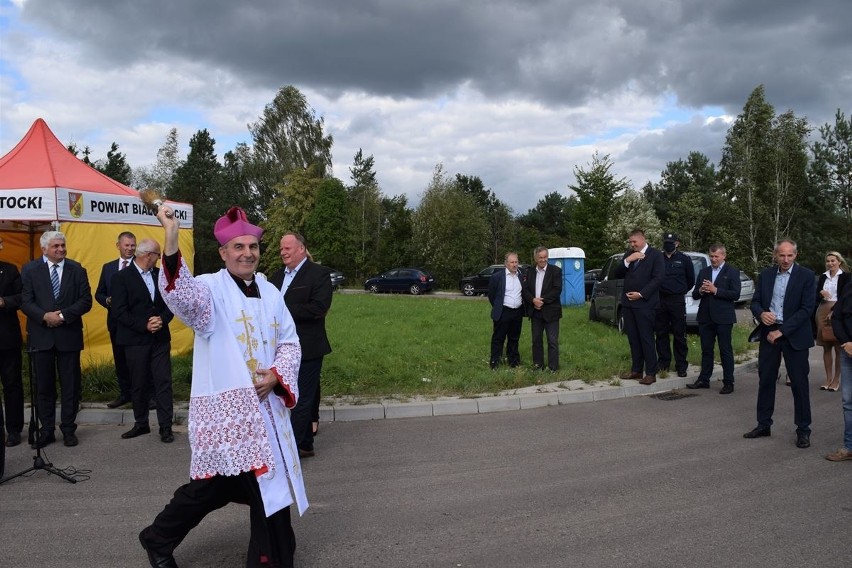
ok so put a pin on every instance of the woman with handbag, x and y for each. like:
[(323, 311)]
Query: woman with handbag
[(829, 288)]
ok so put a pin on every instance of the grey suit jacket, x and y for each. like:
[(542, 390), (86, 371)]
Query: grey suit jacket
[(75, 300)]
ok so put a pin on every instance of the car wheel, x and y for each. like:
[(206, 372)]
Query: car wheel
[(619, 321), (414, 289), (374, 289), (469, 290)]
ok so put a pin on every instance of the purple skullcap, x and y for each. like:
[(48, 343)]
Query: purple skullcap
[(234, 224)]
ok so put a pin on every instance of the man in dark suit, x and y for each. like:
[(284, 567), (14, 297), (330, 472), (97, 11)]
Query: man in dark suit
[(126, 245), (718, 287), (783, 303), (643, 270), (142, 331), (10, 351), (671, 312), (307, 293), (542, 294), (507, 311), (55, 296)]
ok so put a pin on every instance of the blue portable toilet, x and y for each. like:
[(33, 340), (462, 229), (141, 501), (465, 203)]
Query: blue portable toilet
[(572, 261)]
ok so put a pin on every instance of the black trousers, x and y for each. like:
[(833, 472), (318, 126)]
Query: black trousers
[(151, 364), (122, 372), (271, 536), (639, 326), (45, 366), (711, 332), (798, 368), (302, 414), (508, 329), (550, 330), (671, 320), (13, 389)]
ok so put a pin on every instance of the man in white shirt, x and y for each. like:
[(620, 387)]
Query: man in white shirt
[(507, 311), (542, 293)]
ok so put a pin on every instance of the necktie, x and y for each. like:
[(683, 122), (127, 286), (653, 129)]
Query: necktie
[(54, 280), (123, 265)]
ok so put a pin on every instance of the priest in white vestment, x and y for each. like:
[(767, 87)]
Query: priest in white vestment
[(244, 381)]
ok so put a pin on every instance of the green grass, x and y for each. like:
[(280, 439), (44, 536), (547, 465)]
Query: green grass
[(405, 346), (434, 346)]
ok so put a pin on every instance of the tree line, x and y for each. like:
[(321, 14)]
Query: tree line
[(772, 181)]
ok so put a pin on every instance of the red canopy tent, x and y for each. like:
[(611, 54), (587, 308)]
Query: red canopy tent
[(43, 186)]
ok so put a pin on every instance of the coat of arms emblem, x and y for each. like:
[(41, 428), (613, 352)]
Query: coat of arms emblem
[(75, 204)]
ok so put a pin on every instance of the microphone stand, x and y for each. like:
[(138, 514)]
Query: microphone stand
[(39, 462)]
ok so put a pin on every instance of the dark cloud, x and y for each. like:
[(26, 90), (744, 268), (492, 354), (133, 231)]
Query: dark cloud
[(557, 52), (649, 153)]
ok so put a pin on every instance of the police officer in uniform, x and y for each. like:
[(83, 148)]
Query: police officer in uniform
[(671, 311)]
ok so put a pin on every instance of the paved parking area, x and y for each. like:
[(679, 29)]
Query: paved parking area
[(634, 481)]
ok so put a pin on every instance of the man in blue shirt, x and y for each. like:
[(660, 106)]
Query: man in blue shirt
[(783, 303)]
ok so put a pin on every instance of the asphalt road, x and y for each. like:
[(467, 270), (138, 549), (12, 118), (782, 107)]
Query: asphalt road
[(638, 482)]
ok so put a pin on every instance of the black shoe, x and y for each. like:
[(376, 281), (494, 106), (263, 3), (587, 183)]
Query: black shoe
[(156, 559), (727, 388), (136, 431), (120, 401), (803, 440), (166, 435), (681, 373), (759, 432), (13, 439), (699, 384), (70, 440), (43, 440), (306, 453)]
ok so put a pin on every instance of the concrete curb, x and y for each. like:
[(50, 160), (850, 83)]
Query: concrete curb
[(553, 394)]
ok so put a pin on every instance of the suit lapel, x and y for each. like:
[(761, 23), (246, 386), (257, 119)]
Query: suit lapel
[(298, 277), (138, 282), (769, 288)]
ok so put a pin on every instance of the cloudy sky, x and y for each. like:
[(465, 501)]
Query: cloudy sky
[(517, 92)]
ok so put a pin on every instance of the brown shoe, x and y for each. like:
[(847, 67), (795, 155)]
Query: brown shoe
[(840, 455), (648, 380), (630, 376)]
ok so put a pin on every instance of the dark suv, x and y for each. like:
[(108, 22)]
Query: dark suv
[(478, 283), (607, 291)]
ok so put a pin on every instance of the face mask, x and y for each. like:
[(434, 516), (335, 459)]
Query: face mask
[(669, 247)]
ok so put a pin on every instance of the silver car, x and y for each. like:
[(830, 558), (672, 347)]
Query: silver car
[(747, 291)]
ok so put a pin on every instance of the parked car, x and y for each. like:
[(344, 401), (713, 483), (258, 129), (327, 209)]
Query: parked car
[(412, 280), (747, 291), (590, 277), (608, 290), (337, 278), (478, 283)]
